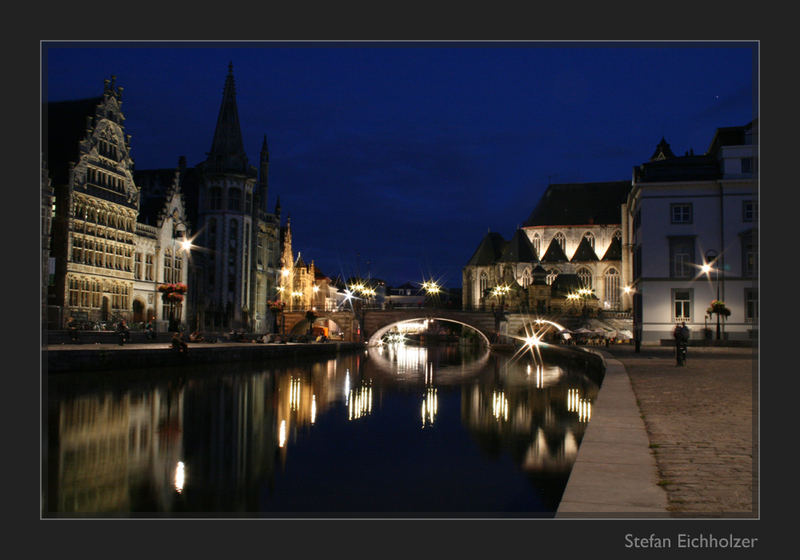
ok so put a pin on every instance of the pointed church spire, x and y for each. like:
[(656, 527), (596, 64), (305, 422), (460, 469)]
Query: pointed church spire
[(227, 150)]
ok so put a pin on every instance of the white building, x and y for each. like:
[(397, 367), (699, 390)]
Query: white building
[(689, 211)]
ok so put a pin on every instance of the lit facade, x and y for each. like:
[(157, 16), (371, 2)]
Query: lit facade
[(691, 210), (106, 263), (573, 239), (96, 205)]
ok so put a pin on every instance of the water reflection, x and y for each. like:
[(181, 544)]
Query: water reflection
[(335, 435)]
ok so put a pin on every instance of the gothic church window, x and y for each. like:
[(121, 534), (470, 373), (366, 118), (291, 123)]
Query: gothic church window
[(612, 285), (561, 239), (589, 237), (585, 277)]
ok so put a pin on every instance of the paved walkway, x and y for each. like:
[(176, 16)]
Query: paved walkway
[(699, 422)]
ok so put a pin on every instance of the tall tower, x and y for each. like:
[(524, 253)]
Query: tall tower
[(227, 190)]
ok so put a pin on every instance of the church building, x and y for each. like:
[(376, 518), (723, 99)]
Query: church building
[(568, 253)]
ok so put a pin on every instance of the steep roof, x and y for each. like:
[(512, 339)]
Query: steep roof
[(227, 152), (584, 252), (614, 251), (565, 284), (519, 249), (580, 203), (489, 250), (554, 253)]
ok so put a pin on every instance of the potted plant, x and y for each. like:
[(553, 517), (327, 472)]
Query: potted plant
[(719, 309)]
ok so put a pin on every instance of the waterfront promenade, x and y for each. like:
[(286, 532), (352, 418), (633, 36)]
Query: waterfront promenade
[(698, 423), (701, 423)]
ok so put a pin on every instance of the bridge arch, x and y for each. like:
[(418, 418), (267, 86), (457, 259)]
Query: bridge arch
[(374, 338)]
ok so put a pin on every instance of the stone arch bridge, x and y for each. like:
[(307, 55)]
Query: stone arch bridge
[(377, 322)]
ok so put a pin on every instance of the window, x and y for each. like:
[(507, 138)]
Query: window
[(749, 210), (561, 239), (248, 203), (215, 198), (551, 275), (526, 278), (585, 278), (751, 304), (537, 244), (611, 278), (235, 199), (484, 283), (148, 267), (682, 304), (747, 165), (681, 213), (681, 257), (749, 254), (589, 237)]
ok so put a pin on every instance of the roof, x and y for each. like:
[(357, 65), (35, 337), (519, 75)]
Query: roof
[(564, 284), (554, 253), (519, 249), (489, 250), (63, 127), (682, 168), (584, 252), (614, 251), (579, 204)]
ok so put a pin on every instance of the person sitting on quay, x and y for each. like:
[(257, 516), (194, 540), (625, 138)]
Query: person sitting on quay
[(178, 343), (149, 331), (123, 332), (72, 326)]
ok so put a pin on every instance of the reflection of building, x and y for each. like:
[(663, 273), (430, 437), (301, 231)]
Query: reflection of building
[(573, 239), (541, 428), (114, 452), (682, 208)]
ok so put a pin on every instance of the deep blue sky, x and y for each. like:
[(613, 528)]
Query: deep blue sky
[(394, 161)]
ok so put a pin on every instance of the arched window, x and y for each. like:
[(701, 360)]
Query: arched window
[(589, 237), (617, 234), (526, 278), (215, 198), (585, 277), (537, 244), (551, 276), (561, 239), (235, 199), (612, 285), (484, 283)]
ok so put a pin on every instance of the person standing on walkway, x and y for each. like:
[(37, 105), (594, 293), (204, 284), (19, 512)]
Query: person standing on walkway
[(681, 335), (123, 332)]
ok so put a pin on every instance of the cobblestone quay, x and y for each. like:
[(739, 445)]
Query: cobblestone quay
[(701, 422)]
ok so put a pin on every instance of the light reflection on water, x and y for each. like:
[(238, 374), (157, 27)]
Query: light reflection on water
[(493, 436)]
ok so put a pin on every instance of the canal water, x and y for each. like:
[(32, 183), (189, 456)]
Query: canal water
[(393, 431)]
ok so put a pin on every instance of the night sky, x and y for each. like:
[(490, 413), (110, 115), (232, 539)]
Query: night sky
[(393, 160)]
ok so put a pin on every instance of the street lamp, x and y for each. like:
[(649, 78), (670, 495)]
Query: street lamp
[(711, 264)]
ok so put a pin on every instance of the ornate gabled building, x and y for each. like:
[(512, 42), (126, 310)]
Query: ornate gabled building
[(112, 243), (576, 233), (88, 156)]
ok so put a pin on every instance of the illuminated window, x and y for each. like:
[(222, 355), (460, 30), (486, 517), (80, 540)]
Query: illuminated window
[(612, 284), (551, 276), (585, 277), (537, 243), (589, 237), (484, 282), (682, 304), (561, 239), (148, 267)]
